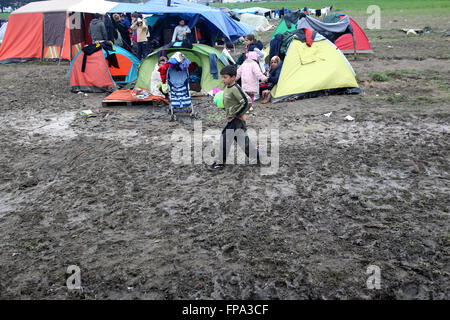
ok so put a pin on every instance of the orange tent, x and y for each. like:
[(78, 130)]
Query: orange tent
[(55, 29)]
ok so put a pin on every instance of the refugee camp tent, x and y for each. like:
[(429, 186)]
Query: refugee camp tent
[(200, 54), (253, 10), (232, 14), (260, 23), (345, 42), (50, 29), (308, 72), (331, 31), (211, 22), (102, 70), (2, 31), (288, 23)]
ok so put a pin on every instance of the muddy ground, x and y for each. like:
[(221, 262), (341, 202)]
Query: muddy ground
[(102, 192)]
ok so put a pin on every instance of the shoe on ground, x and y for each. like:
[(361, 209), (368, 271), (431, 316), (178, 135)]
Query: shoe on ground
[(216, 166), (251, 108)]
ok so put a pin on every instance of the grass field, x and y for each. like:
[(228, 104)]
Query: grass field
[(388, 7), (4, 16)]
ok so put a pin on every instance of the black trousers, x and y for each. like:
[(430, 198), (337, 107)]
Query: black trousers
[(236, 130)]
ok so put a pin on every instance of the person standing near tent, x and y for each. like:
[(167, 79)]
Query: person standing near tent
[(110, 30), (250, 73), (123, 36), (141, 36), (180, 32), (97, 29), (236, 104), (134, 17), (156, 84), (273, 75), (124, 20)]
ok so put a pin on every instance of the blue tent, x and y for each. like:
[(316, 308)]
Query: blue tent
[(2, 31), (218, 23)]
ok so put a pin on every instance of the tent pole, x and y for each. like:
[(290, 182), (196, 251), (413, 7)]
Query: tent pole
[(43, 37), (64, 39), (354, 45), (70, 39)]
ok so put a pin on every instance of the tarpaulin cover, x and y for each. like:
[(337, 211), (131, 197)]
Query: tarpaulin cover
[(215, 18), (331, 31), (125, 95)]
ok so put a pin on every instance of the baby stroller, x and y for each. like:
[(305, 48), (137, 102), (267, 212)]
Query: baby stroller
[(179, 95)]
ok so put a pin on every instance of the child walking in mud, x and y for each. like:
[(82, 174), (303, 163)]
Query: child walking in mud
[(236, 103)]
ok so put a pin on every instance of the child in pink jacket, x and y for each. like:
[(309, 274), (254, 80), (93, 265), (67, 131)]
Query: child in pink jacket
[(249, 73)]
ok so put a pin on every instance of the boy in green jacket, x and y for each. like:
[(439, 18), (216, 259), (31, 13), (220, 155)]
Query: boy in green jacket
[(236, 103)]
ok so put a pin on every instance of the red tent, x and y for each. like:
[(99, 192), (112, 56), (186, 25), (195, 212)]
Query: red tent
[(345, 42)]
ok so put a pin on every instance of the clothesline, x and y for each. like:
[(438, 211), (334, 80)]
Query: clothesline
[(317, 12)]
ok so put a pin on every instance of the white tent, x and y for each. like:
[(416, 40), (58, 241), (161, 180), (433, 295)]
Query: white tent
[(259, 10), (89, 6), (260, 23)]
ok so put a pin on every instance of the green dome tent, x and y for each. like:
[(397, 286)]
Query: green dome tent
[(199, 54)]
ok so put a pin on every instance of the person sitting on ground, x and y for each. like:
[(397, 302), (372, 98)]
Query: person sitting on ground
[(236, 104), (97, 29), (180, 32), (273, 75), (250, 73), (156, 87), (141, 30)]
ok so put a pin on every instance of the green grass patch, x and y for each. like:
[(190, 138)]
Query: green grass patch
[(354, 7), (379, 77), (429, 75), (4, 16)]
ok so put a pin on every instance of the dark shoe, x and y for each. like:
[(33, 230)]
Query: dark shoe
[(216, 166)]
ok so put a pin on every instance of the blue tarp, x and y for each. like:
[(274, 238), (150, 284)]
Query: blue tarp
[(215, 18)]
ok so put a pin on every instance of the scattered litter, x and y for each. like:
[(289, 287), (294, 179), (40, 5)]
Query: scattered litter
[(349, 118), (140, 93), (412, 31), (397, 93), (85, 94), (328, 114), (130, 288), (79, 92), (390, 46), (415, 170), (15, 254), (86, 112)]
